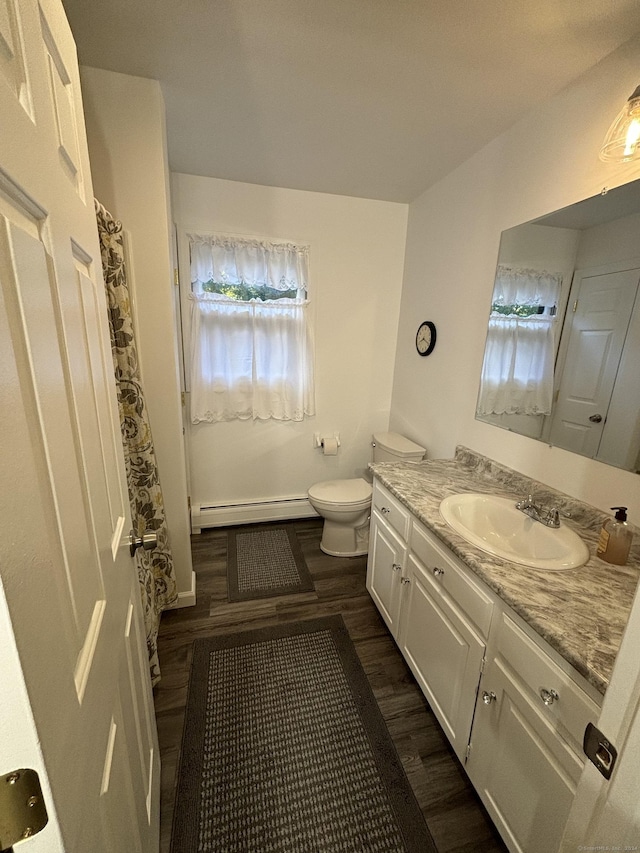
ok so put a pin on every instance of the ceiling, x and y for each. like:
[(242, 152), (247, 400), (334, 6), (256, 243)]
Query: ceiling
[(370, 98)]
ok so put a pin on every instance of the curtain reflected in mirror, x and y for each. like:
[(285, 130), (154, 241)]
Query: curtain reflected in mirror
[(517, 373), (563, 338)]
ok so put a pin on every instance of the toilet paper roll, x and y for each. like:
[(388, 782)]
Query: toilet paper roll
[(330, 446)]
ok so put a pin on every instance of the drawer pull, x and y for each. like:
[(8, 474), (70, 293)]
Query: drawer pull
[(488, 697), (385, 510), (548, 696), (396, 567), (437, 571), (405, 580)]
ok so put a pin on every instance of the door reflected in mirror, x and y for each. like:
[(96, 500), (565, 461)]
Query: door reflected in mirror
[(562, 353)]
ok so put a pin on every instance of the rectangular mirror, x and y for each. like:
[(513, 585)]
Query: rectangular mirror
[(562, 353)]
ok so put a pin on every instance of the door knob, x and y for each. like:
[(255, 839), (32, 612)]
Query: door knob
[(488, 696), (146, 541), (595, 419)]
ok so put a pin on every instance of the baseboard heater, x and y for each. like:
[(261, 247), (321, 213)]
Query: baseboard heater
[(224, 515)]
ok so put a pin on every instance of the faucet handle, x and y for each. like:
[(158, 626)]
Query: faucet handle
[(553, 517)]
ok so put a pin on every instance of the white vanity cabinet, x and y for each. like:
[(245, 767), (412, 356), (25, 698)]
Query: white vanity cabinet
[(446, 618), (526, 748), (387, 555), (437, 613), (513, 709)]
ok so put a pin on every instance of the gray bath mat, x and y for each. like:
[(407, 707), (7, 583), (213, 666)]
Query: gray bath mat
[(285, 750), (265, 561)]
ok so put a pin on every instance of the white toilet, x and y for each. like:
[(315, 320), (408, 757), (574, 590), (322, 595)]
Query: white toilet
[(345, 505)]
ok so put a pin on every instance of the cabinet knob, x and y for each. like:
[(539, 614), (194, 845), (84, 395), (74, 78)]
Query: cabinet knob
[(488, 697), (437, 571), (405, 580), (396, 567), (548, 696), (385, 510)]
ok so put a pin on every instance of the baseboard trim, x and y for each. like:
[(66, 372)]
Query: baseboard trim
[(188, 598), (250, 513)]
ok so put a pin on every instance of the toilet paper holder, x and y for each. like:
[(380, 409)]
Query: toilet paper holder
[(318, 438)]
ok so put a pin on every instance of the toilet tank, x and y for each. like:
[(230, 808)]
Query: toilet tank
[(393, 447)]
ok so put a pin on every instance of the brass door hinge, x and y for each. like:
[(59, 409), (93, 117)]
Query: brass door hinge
[(176, 277), (22, 809)]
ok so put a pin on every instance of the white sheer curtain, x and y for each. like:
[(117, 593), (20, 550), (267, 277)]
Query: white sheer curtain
[(517, 373), (239, 260), (250, 358)]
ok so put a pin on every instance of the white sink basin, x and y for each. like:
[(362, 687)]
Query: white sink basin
[(495, 525)]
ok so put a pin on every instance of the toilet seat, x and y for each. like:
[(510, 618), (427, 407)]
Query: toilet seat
[(350, 494)]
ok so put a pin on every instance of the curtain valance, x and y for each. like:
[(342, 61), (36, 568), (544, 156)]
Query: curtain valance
[(248, 261), (515, 286)]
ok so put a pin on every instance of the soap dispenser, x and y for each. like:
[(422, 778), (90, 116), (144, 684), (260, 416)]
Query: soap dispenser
[(615, 538)]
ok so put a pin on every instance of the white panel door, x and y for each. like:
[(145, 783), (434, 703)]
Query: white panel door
[(597, 330), (69, 601)]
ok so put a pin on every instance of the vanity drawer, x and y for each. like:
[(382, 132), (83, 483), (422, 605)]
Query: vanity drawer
[(390, 508), (456, 580), (534, 663)]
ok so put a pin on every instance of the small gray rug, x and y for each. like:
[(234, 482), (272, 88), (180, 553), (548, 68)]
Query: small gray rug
[(265, 561), (285, 750)]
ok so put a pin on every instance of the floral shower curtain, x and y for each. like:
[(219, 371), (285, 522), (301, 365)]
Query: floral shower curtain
[(155, 567)]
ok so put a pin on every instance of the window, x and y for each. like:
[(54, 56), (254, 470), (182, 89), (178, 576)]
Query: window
[(517, 373), (251, 351)]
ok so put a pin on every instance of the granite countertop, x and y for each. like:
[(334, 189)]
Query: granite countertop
[(581, 613)]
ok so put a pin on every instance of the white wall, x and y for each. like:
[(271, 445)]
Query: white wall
[(356, 267), (545, 162), (540, 247), (126, 134), (610, 243)]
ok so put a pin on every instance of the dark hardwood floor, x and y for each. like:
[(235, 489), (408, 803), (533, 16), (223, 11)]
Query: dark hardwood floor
[(454, 814)]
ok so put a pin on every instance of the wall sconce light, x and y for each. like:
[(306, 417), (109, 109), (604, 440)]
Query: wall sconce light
[(622, 142)]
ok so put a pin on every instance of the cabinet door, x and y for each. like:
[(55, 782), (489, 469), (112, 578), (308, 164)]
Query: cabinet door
[(387, 555), (524, 773), (444, 652)]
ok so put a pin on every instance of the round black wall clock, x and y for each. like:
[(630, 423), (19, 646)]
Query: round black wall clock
[(426, 338)]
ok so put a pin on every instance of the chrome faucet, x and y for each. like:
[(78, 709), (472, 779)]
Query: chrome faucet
[(548, 517)]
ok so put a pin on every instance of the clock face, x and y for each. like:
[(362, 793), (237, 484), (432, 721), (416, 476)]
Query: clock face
[(426, 338)]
